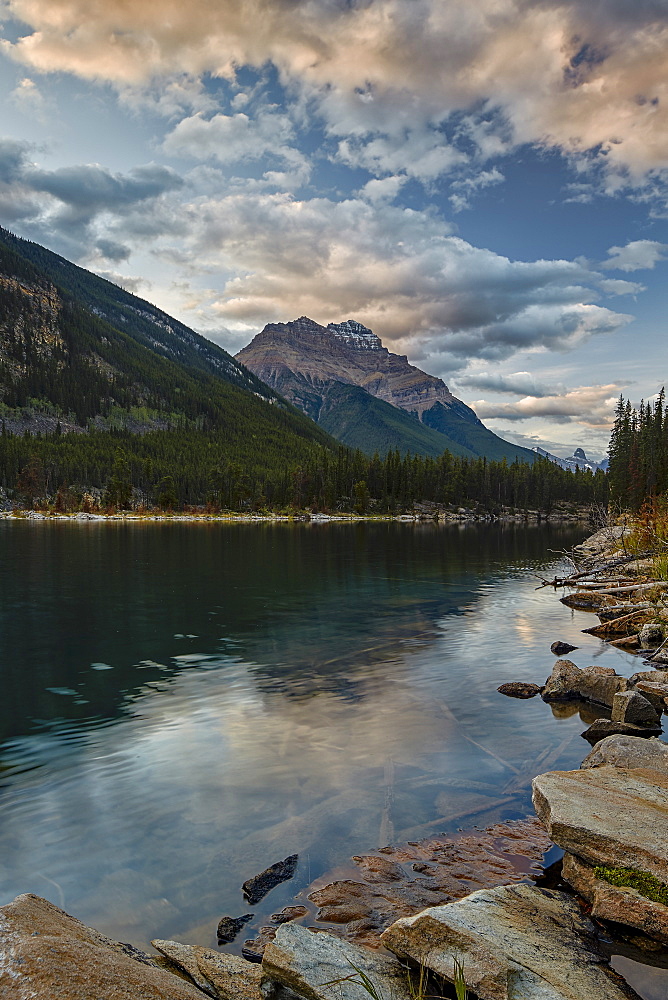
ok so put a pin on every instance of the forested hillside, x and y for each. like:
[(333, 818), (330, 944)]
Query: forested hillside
[(70, 380)]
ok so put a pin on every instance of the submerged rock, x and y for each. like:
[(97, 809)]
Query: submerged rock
[(46, 954), (511, 942), (256, 888), (229, 927), (519, 689), (253, 948), (309, 963), (443, 868), (288, 913)]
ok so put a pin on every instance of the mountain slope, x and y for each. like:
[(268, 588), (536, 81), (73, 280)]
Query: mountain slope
[(359, 420), (65, 366), (141, 321), (307, 363)]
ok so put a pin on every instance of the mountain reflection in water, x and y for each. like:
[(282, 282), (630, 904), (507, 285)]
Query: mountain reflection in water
[(184, 704)]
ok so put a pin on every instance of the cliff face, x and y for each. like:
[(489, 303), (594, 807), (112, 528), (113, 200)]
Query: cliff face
[(299, 360)]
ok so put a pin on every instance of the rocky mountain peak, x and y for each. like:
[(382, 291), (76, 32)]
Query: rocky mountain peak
[(354, 334)]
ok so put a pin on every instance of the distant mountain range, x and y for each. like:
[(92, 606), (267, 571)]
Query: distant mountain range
[(578, 460), (367, 397)]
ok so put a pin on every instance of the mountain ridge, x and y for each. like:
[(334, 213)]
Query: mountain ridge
[(306, 362)]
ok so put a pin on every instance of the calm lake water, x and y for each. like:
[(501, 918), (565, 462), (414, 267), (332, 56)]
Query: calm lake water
[(184, 704)]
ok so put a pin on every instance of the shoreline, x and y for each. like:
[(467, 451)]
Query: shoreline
[(441, 517)]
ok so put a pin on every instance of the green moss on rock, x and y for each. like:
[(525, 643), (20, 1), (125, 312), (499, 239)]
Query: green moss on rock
[(646, 884)]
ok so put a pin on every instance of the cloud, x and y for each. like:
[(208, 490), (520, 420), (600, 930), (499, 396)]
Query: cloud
[(636, 256), (77, 208), (237, 138), (90, 188), (517, 383), (28, 98), (589, 405), (425, 292), (586, 79)]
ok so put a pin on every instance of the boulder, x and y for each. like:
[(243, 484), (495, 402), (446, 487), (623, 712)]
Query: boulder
[(596, 684), (519, 689), (620, 904), (183, 956), (605, 727), (230, 976), (45, 954), (651, 635), (628, 751), (631, 706), (511, 942), (223, 977), (561, 648), (309, 963), (655, 692), (607, 815), (656, 676)]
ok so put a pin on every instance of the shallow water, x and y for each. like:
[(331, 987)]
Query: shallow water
[(184, 704)]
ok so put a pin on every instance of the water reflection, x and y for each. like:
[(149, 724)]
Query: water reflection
[(185, 704)]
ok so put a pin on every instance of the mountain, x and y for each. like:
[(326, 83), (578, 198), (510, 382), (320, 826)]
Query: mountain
[(80, 354), (578, 460), (317, 368)]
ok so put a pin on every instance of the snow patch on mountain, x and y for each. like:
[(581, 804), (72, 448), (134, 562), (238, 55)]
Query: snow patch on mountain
[(355, 335)]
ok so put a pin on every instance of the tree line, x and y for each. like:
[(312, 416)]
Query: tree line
[(638, 463), (183, 467)]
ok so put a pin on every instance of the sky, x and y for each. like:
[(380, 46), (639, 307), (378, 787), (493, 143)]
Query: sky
[(483, 184)]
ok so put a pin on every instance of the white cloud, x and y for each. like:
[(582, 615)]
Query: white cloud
[(425, 292), (237, 138), (29, 99), (636, 256), (579, 77), (589, 405)]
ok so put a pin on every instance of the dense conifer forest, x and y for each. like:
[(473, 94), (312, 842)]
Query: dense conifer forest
[(638, 464), (173, 468)]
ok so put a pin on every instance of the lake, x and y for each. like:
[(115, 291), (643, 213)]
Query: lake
[(184, 704)]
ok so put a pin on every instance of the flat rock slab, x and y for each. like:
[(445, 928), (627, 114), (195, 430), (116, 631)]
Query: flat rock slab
[(629, 751), (401, 880), (620, 904), (513, 942), (309, 963), (608, 815), (45, 954)]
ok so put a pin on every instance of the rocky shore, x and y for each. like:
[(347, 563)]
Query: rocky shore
[(421, 918)]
